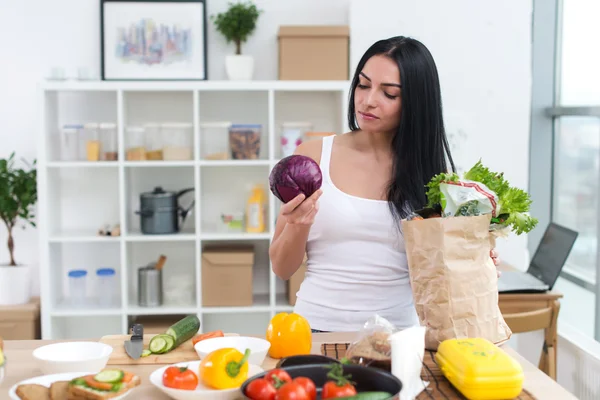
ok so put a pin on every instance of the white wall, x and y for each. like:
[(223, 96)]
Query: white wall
[(66, 33)]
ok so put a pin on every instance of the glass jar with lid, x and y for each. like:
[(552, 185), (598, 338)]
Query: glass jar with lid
[(108, 141), (91, 141), (70, 136), (177, 137), (154, 142), (215, 140), (136, 144)]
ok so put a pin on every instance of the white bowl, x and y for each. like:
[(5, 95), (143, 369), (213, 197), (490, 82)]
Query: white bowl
[(72, 357), (202, 392), (258, 347)]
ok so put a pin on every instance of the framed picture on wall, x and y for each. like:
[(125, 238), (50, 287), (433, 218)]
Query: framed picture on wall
[(153, 39)]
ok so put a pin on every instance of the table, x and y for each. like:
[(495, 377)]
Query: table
[(511, 303), (21, 365)]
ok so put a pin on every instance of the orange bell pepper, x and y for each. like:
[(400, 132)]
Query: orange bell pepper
[(289, 335)]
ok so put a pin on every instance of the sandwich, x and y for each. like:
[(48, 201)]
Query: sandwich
[(105, 384)]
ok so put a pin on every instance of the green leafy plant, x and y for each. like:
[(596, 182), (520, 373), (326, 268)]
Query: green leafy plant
[(18, 195), (237, 23)]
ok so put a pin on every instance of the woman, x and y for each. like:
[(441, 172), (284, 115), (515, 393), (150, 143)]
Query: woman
[(373, 177)]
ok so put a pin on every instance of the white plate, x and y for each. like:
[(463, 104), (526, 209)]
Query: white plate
[(47, 380), (201, 392)]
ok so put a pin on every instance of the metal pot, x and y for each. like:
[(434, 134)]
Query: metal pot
[(160, 211)]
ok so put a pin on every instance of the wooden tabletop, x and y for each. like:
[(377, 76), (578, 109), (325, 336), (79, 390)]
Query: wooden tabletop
[(21, 365)]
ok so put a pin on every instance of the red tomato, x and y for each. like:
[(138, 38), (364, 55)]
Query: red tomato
[(308, 385), (261, 389), (332, 390), (292, 391), (180, 378), (277, 377)]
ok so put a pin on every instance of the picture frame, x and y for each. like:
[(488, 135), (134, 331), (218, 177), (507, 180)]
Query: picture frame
[(151, 40)]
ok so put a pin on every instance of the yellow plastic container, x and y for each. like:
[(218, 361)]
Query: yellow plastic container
[(255, 211), (479, 369)]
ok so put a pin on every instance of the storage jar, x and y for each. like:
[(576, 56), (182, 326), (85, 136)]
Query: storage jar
[(154, 142), (178, 141), (92, 141), (105, 289), (244, 141), (136, 146), (77, 287), (215, 140), (69, 142), (108, 141), (292, 136)]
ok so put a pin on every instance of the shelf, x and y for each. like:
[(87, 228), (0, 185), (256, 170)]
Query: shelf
[(162, 310), (84, 312), (154, 164), (81, 237), (83, 164), (175, 237), (234, 163), (261, 304), (235, 236)]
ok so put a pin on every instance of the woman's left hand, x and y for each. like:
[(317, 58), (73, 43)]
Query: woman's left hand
[(494, 255)]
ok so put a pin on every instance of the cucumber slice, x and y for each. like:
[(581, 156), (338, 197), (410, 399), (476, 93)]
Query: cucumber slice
[(109, 376), (170, 342), (146, 353), (157, 344), (184, 329)]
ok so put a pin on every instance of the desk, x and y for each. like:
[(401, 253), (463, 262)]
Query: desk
[(524, 302), (21, 365)]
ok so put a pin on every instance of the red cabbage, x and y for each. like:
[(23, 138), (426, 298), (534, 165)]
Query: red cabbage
[(293, 175)]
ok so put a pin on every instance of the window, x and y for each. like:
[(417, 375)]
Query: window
[(565, 143)]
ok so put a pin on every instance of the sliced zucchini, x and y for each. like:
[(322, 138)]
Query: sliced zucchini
[(146, 353), (157, 344), (170, 342), (109, 376)]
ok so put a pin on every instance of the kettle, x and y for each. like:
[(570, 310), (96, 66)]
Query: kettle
[(160, 211)]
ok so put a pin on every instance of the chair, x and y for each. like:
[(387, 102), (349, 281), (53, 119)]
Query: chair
[(546, 319)]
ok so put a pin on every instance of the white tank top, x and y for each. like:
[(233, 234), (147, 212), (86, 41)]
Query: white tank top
[(356, 264)]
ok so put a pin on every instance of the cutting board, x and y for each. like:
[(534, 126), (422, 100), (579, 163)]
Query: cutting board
[(182, 353)]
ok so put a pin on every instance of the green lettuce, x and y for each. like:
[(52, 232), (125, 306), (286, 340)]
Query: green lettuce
[(514, 203)]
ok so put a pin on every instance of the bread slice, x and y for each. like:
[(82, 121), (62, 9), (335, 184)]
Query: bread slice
[(76, 392), (33, 392), (58, 390)]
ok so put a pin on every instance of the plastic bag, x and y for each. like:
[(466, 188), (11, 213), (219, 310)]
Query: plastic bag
[(468, 198), (372, 347)]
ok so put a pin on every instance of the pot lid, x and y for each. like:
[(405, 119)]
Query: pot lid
[(158, 192)]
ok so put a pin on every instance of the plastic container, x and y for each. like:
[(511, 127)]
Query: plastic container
[(255, 210), (215, 140), (136, 143), (292, 136), (178, 141), (106, 284), (108, 141), (69, 142), (231, 222), (92, 141), (479, 369), (153, 141), (78, 287), (244, 141)]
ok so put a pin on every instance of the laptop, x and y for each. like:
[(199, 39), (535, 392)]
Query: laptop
[(546, 264)]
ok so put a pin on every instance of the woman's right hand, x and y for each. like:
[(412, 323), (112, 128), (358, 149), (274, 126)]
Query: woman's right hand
[(301, 211)]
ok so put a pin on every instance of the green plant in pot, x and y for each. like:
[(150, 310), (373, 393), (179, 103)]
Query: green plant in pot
[(18, 196), (237, 24)]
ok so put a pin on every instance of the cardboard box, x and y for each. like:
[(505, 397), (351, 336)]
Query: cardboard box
[(293, 284), (318, 52), (227, 276), (21, 322)]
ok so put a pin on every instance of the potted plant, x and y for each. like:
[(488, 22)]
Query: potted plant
[(236, 25), (18, 195)]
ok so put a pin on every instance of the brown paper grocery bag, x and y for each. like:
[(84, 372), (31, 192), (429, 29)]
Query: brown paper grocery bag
[(453, 279)]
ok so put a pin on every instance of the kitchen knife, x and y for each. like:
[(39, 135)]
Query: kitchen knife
[(135, 346)]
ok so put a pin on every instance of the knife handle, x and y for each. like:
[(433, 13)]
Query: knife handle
[(137, 330)]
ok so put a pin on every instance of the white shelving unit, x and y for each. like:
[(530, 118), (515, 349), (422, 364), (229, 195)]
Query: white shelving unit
[(79, 197)]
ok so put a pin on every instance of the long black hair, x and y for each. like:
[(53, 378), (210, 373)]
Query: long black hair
[(419, 146)]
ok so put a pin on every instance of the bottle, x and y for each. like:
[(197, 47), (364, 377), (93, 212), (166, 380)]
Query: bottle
[(255, 210)]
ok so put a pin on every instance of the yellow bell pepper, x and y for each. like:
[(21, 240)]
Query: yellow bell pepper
[(289, 335), (225, 368)]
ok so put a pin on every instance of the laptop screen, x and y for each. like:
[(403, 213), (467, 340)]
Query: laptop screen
[(552, 253)]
